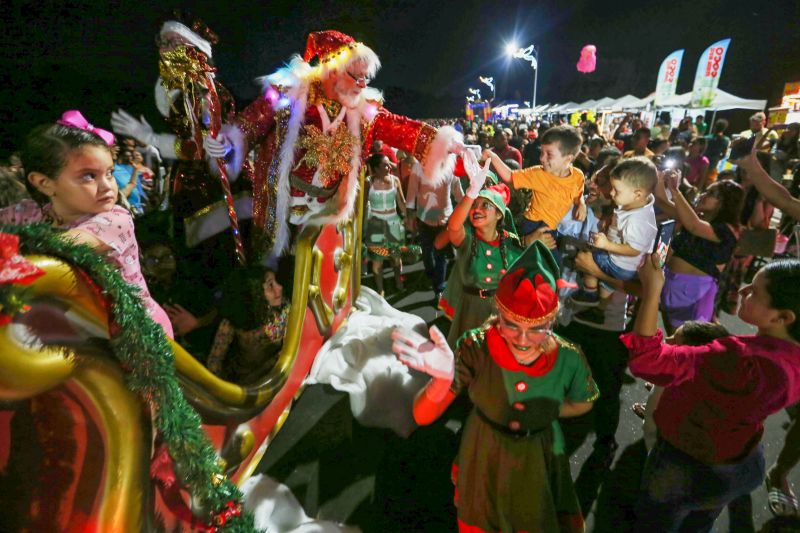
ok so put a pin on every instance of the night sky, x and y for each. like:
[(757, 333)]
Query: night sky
[(98, 56)]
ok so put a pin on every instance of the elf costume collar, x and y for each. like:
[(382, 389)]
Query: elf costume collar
[(502, 356)]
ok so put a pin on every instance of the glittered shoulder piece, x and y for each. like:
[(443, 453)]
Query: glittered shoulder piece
[(473, 336)]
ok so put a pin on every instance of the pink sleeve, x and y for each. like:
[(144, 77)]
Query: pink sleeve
[(114, 229), (24, 212), (663, 364)]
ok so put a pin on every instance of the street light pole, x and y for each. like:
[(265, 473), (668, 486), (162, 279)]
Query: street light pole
[(535, 80), (528, 55)]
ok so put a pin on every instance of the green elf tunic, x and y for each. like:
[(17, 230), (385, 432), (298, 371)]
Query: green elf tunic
[(511, 473), (479, 266)]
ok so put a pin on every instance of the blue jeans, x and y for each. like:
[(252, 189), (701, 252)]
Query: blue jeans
[(603, 260), (679, 493), (435, 261)]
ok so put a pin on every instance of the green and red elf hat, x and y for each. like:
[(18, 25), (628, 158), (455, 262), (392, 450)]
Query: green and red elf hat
[(499, 195), (528, 293)]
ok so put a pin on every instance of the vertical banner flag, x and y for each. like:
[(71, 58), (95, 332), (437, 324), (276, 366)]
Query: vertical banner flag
[(668, 76), (709, 69)]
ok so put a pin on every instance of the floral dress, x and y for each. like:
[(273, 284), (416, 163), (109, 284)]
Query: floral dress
[(256, 350), (512, 473), (384, 234), (114, 229)]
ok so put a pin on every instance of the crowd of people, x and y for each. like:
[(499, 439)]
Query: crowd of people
[(633, 181), (604, 196), (538, 246)]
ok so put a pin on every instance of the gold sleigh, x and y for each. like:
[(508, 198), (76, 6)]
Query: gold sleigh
[(78, 405)]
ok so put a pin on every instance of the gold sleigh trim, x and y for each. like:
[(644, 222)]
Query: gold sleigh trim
[(27, 370)]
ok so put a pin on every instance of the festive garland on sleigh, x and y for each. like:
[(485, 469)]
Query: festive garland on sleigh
[(141, 348)]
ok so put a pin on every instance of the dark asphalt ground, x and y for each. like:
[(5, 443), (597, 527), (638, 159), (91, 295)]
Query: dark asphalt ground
[(373, 479)]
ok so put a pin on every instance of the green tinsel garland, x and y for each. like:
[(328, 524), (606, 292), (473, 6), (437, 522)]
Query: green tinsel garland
[(141, 347)]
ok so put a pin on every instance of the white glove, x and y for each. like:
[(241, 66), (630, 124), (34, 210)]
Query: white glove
[(125, 124), (218, 147), (476, 174), (457, 147), (433, 357)]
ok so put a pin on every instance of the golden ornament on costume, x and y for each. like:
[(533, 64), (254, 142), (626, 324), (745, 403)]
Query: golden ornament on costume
[(182, 64), (329, 153)]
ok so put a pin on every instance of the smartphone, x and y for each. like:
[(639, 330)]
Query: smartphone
[(741, 148), (663, 240)]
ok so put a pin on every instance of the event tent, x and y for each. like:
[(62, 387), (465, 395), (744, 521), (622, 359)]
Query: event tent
[(722, 101), (604, 103)]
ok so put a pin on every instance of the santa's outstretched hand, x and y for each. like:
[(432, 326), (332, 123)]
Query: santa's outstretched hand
[(476, 173), (433, 357), (123, 123)]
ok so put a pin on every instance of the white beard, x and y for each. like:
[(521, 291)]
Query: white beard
[(348, 100)]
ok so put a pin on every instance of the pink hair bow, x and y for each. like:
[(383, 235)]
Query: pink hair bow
[(75, 119)]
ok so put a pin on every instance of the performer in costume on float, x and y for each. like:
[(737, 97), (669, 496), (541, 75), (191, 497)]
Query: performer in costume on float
[(205, 202), (312, 131), (511, 473), (484, 249)]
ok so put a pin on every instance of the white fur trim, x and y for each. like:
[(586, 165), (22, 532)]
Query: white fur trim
[(175, 27), (440, 162), (163, 100), (296, 119), (291, 78)]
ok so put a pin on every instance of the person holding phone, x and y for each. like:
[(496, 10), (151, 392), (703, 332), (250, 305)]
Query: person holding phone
[(700, 250)]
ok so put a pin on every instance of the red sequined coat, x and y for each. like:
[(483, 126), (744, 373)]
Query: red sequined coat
[(309, 152)]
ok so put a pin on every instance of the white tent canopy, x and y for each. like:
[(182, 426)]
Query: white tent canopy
[(604, 103), (722, 101), (588, 104), (626, 102), (677, 100), (563, 108), (643, 102)]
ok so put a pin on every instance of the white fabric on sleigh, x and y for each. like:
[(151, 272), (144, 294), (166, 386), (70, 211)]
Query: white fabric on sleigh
[(358, 360), (276, 509)]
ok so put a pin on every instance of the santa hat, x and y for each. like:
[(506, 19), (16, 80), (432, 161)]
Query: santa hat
[(331, 48), (199, 35), (528, 293)]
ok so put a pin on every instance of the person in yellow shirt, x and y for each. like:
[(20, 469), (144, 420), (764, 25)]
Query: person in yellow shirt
[(556, 184)]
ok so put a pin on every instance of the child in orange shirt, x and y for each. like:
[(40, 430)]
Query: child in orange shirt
[(556, 184)]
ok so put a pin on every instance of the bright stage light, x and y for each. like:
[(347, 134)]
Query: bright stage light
[(511, 49)]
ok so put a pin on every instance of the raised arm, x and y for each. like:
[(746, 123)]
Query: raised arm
[(499, 166), (477, 179), (772, 191), (688, 218)]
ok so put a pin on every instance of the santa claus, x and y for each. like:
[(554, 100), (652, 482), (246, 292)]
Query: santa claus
[(311, 131)]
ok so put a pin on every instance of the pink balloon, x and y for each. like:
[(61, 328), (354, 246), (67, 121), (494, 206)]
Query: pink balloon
[(588, 60)]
